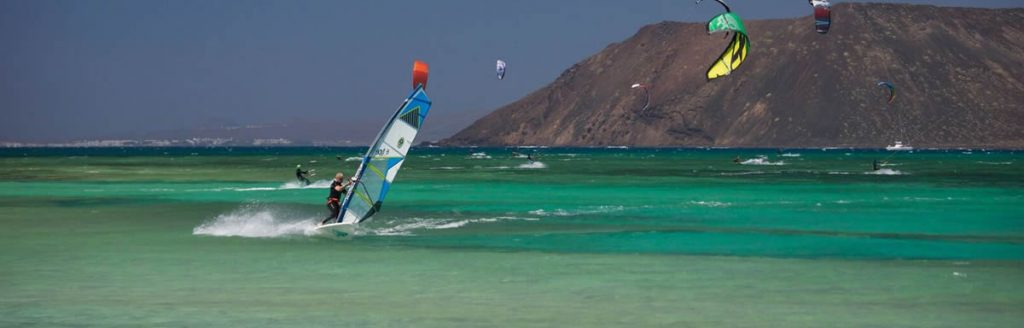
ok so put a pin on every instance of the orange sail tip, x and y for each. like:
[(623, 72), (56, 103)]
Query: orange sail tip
[(420, 72)]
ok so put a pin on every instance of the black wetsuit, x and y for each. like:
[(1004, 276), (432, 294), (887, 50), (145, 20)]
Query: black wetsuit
[(301, 175), (876, 165), (334, 200)]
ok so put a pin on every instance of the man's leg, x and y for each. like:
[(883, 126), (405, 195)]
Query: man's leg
[(334, 208)]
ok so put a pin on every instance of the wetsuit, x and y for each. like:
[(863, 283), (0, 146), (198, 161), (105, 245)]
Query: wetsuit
[(301, 175), (876, 165), (334, 200)]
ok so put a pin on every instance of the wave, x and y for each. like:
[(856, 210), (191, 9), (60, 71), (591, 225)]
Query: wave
[(790, 155), (447, 168), (318, 184), (702, 203), (354, 159), (886, 172), (932, 199), (762, 161), (408, 228), (994, 163), (257, 222), (533, 165), (583, 211), (741, 173), (248, 189), (480, 155)]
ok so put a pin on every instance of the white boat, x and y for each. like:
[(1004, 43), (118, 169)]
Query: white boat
[(899, 146)]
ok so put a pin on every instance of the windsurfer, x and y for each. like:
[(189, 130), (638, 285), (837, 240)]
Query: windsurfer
[(338, 189), (301, 175)]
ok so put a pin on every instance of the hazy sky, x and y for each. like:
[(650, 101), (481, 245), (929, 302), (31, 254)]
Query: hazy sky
[(102, 69)]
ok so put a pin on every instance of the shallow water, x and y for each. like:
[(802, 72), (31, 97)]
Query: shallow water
[(479, 237)]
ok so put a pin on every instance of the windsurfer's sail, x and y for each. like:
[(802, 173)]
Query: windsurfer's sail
[(387, 153)]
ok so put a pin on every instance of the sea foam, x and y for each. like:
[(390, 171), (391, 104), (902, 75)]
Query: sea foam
[(532, 165), (408, 227), (762, 161), (256, 222), (886, 172)]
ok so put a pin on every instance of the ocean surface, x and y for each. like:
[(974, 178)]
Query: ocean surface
[(481, 237)]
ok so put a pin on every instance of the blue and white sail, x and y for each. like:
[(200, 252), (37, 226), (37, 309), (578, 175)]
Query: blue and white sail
[(382, 161)]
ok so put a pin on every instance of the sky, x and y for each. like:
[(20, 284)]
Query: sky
[(129, 68)]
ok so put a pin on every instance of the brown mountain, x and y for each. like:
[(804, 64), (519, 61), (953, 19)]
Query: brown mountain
[(959, 74)]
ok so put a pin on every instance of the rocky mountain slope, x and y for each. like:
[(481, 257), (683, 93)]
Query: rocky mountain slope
[(959, 73)]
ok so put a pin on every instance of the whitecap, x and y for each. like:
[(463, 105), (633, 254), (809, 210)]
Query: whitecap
[(581, 211), (253, 189), (256, 222), (762, 160), (532, 165), (709, 203), (318, 184), (408, 227), (886, 172), (742, 173), (447, 168)]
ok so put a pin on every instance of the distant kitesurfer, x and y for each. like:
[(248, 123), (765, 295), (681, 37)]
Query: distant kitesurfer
[(876, 165), (301, 175), (737, 159), (529, 157), (338, 189)]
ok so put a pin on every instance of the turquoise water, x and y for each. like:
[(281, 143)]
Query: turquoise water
[(479, 237)]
